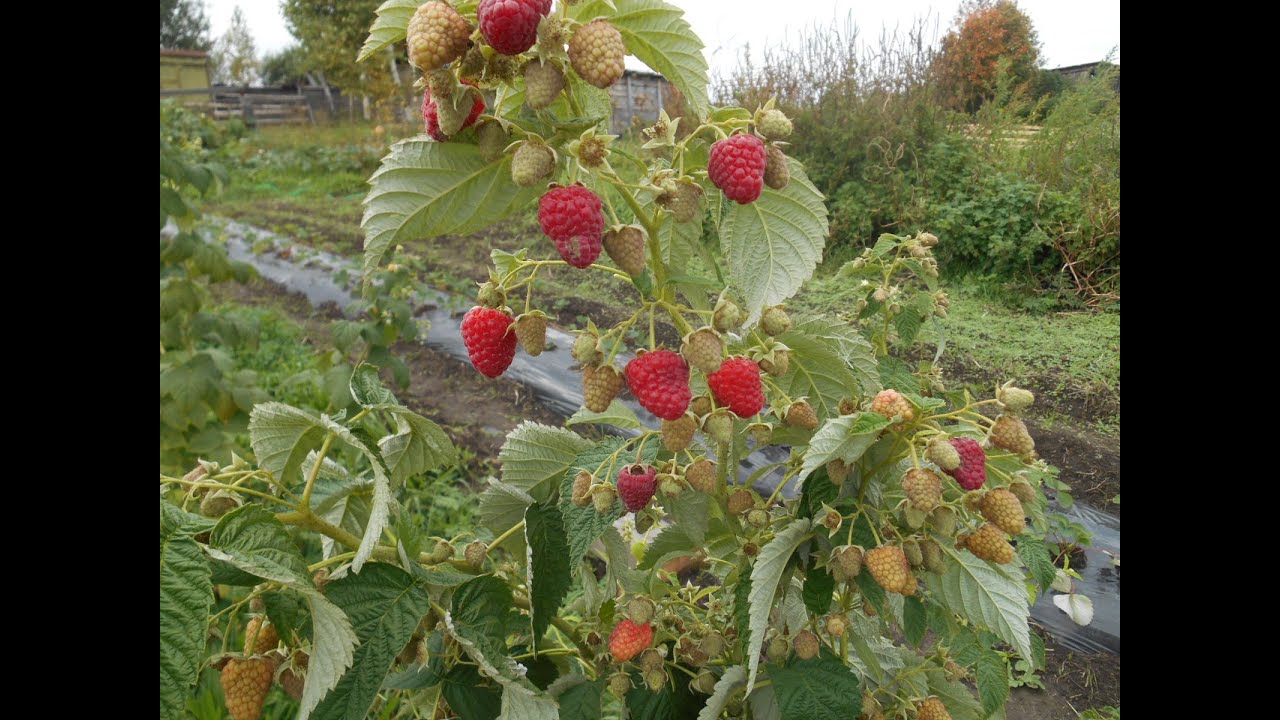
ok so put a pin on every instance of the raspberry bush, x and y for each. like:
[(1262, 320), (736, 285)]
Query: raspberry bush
[(644, 575)]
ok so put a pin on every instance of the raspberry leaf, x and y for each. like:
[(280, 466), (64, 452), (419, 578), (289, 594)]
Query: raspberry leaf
[(281, 437), (385, 604), (820, 688), (417, 446), (828, 360), (992, 675), (658, 35), (617, 414), (845, 437), (481, 614), (728, 682), (421, 189), (583, 524), (501, 507), (672, 542), (389, 27), (765, 577), (958, 699), (1035, 555), (874, 656), (771, 246), (186, 592), (986, 595), (549, 562), (535, 456), (520, 703)]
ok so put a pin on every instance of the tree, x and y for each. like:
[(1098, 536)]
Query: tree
[(985, 33), (331, 33), (286, 67), (235, 58), (183, 25)]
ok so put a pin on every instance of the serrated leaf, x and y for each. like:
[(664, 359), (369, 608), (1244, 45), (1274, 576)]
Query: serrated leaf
[(425, 189), (479, 614), (818, 588), (584, 525), (367, 389), (385, 605), (442, 575), (819, 688), (993, 681), (728, 682), (872, 593), (535, 456), (818, 490), (644, 703), (186, 592), (874, 656), (579, 702), (1036, 557), (549, 560), (251, 539), (390, 26), (620, 568), (671, 542), (908, 323), (617, 415), (691, 511), (519, 703), (502, 506), (466, 696), (986, 595), (829, 362), (845, 437), (380, 503), (771, 246), (418, 445), (658, 35), (742, 602), (281, 437), (885, 244), (766, 574), (290, 614), (914, 620), (959, 701)]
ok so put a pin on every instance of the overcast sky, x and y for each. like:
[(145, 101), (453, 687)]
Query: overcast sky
[(1070, 32)]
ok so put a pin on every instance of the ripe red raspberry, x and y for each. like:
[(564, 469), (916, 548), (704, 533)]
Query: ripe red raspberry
[(737, 386), (572, 217), (660, 381), (511, 26), (431, 115), (636, 484), (629, 639), (737, 167), (245, 683), (972, 472), (490, 341)]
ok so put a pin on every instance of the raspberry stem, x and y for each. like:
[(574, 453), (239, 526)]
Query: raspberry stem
[(503, 537)]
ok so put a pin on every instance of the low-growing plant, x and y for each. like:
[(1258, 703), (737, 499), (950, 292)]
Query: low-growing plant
[(828, 535)]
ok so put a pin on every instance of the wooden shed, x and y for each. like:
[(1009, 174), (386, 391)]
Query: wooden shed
[(185, 70)]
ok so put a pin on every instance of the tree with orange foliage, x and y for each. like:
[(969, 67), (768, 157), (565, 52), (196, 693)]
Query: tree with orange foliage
[(985, 33)]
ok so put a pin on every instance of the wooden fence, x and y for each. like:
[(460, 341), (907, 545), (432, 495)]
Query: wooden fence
[(1016, 135)]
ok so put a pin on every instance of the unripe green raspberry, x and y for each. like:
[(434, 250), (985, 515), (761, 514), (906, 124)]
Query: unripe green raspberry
[(727, 316), (683, 199), (838, 471), (493, 139), (543, 82), (777, 171), (700, 406), (626, 247), (703, 349), (586, 348), (650, 659), (655, 679), (641, 610), (713, 644), (701, 476), (218, 503), (923, 488), (678, 434), (475, 554), (915, 555), (757, 517), (596, 52), (532, 162), (619, 684), (775, 321), (806, 645), (836, 625), (777, 650), (604, 497), (443, 552), (773, 124), (740, 501), (670, 485), (801, 414), (705, 683), (761, 433), (1024, 492), (436, 35), (928, 239), (491, 295), (592, 152), (943, 519), (581, 495), (776, 363), (1015, 399), (942, 453), (719, 426), (848, 558), (933, 555)]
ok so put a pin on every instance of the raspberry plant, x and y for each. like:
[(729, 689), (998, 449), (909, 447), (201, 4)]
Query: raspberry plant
[(873, 590)]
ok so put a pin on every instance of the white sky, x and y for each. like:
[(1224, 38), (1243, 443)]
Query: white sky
[(1070, 32)]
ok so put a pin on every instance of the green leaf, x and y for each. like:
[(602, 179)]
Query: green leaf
[(425, 189), (817, 491), (872, 593), (367, 389), (658, 35), (1036, 557), (251, 539), (908, 323), (818, 587), (480, 613), (959, 701), (766, 573), (617, 415), (535, 456), (418, 445), (728, 682), (380, 505), (385, 605), (442, 575), (742, 602), (281, 437), (581, 702), (186, 593), (845, 437), (829, 362), (390, 26), (986, 595), (993, 681), (644, 703), (885, 244), (873, 654), (771, 246), (583, 524), (914, 620), (692, 511), (290, 614), (519, 703), (671, 542), (819, 688), (620, 568), (467, 697), (549, 559)]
